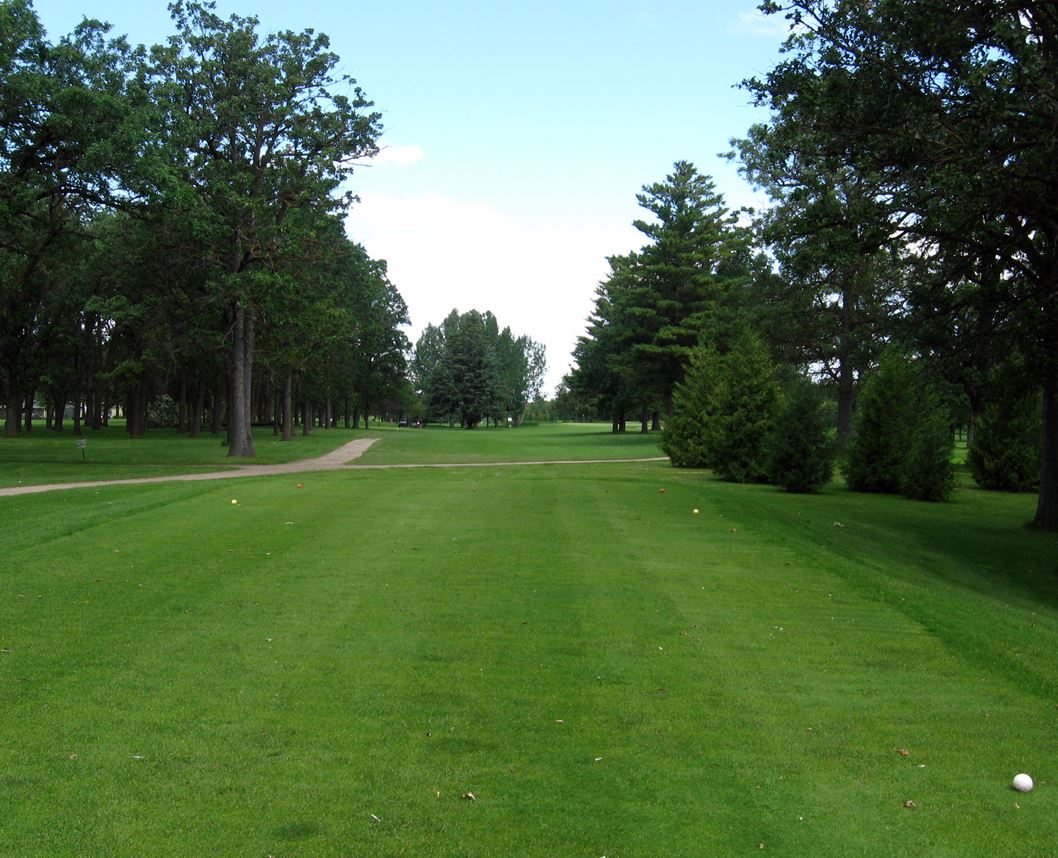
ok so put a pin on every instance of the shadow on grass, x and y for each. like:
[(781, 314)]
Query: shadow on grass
[(986, 537)]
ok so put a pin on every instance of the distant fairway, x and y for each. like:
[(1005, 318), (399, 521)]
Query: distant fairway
[(49, 457), (330, 670)]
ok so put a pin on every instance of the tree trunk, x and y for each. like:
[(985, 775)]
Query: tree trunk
[(846, 395), (195, 428), (347, 413), (262, 398), (216, 410), (138, 415), (28, 413), (13, 418), (91, 404), (644, 421), (306, 418), (655, 421), (240, 405), (288, 407), (76, 414), (1047, 505), (133, 410), (181, 407), (977, 405)]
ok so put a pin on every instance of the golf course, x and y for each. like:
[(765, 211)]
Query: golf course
[(604, 657)]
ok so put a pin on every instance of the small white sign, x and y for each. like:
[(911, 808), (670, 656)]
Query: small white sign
[(82, 443)]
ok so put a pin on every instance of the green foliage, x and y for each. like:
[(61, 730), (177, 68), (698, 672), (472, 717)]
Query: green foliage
[(839, 270), (946, 114), (468, 368), (573, 403), (875, 455), (725, 411), (686, 283), (71, 130), (1007, 448), (170, 212), (253, 127), (687, 435), (162, 412), (902, 441), (927, 473), (469, 371), (801, 448), (747, 406)]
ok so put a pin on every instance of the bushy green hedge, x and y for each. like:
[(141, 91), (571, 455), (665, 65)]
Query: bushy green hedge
[(801, 450), (685, 438), (1007, 449), (902, 439), (927, 473), (726, 409)]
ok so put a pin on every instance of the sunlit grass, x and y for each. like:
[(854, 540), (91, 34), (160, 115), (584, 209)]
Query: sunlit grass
[(331, 669), (546, 442)]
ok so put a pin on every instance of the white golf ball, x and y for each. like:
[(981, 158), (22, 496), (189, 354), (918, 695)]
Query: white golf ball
[(1022, 783), (234, 501)]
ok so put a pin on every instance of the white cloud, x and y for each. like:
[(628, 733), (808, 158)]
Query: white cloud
[(399, 155), (446, 253)]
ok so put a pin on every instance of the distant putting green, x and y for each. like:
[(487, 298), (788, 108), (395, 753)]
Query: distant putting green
[(336, 669), (548, 442)]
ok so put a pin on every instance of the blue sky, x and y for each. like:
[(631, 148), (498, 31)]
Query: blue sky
[(517, 134)]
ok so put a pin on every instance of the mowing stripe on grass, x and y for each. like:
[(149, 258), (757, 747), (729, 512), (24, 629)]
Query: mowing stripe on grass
[(329, 670)]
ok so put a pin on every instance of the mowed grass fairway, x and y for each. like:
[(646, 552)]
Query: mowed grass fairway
[(50, 457), (330, 670)]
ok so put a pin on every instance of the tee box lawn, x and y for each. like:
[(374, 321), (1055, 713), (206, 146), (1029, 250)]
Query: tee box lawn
[(527, 660)]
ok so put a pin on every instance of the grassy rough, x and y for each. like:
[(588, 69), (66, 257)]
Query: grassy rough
[(606, 672)]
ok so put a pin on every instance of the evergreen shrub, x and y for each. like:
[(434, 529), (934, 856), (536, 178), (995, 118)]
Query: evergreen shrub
[(801, 449)]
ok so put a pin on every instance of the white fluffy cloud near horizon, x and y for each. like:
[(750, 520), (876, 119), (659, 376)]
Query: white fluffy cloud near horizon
[(446, 253)]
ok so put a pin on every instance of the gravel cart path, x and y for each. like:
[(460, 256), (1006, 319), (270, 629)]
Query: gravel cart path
[(339, 459)]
